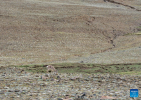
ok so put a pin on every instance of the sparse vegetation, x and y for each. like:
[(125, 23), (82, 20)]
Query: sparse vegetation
[(37, 33), (138, 33), (44, 36), (139, 28), (88, 68)]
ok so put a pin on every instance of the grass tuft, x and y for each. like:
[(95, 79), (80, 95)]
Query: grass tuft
[(130, 69)]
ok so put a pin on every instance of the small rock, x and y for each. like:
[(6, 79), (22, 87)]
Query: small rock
[(83, 95), (52, 79), (3, 75), (67, 99), (72, 79), (6, 87), (59, 99), (10, 91), (17, 90), (36, 75), (86, 79), (1, 92), (66, 96), (107, 97)]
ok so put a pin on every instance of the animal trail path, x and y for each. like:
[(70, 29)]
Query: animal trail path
[(73, 3)]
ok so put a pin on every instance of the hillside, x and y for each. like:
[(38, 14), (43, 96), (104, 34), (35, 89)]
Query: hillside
[(50, 31)]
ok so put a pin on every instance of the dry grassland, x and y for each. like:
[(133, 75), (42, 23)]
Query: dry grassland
[(49, 31)]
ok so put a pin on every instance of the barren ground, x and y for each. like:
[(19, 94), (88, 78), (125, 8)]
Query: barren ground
[(18, 84), (50, 31)]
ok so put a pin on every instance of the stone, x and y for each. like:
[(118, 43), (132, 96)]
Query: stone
[(1, 92), (36, 75), (107, 97), (72, 79), (6, 87), (29, 86), (17, 90), (68, 99), (86, 79), (10, 90), (67, 96), (3, 75), (59, 99)]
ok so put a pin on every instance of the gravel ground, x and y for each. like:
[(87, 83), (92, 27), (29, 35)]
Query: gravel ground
[(17, 84)]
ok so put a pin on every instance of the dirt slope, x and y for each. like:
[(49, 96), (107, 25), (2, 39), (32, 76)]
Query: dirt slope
[(48, 31)]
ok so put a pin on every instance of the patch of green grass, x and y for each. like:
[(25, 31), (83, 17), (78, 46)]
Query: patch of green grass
[(138, 33), (34, 68), (88, 68), (25, 66), (139, 28), (68, 70)]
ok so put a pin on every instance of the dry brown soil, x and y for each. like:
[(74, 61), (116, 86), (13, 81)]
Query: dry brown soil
[(50, 31)]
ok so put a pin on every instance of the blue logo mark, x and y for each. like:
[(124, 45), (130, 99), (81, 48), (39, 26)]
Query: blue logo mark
[(134, 93)]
